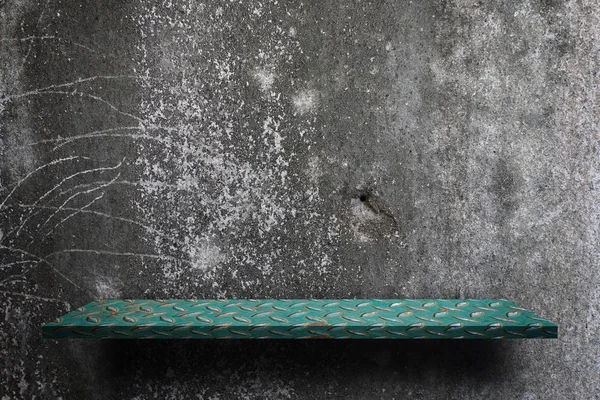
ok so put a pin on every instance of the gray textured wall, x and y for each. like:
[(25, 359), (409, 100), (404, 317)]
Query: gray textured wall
[(256, 148)]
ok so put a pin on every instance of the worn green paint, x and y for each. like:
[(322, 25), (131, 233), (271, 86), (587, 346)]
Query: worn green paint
[(301, 319)]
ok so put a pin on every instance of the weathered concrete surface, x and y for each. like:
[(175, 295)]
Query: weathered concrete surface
[(299, 149)]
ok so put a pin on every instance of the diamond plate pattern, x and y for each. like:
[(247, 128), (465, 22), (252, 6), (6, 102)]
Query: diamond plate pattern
[(301, 319)]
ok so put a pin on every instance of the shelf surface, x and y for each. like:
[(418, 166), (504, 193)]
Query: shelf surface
[(301, 319)]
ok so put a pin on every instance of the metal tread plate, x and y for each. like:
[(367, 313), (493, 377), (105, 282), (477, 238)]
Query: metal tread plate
[(301, 319)]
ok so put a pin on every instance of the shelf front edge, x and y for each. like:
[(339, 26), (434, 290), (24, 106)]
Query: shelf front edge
[(301, 319)]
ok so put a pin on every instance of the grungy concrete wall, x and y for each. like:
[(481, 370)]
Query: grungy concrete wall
[(254, 148)]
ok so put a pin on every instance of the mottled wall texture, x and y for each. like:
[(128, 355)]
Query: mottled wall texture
[(316, 148)]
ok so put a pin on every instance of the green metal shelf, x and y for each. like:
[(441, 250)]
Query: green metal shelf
[(301, 319)]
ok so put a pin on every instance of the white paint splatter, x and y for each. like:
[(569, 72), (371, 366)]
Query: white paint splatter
[(204, 255), (305, 101), (218, 185), (106, 288), (314, 171), (264, 77)]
